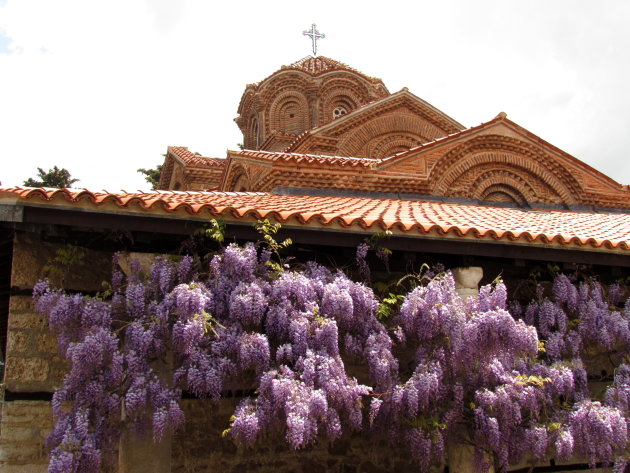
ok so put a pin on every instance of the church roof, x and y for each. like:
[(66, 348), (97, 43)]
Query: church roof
[(195, 160), (316, 66), (371, 109), (593, 231), (299, 158), (320, 64)]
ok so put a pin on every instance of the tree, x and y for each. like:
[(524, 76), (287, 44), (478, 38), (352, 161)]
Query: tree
[(152, 176), (55, 177)]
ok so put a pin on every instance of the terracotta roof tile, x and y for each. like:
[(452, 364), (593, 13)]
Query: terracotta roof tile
[(588, 230), (195, 160), (316, 66), (319, 64), (306, 158)]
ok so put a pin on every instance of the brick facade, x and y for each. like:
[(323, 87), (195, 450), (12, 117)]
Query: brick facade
[(318, 108)]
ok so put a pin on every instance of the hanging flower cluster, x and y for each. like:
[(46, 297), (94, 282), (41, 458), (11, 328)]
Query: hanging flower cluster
[(438, 371)]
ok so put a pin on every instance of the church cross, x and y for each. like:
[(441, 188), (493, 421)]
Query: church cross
[(315, 35)]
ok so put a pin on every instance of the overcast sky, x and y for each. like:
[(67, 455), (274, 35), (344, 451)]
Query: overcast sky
[(103, 87)]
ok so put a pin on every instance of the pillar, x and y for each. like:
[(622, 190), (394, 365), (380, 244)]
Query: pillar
[(467, 281)]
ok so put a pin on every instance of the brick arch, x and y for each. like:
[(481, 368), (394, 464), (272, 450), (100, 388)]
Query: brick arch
[(289, 113), (382, 147), (238, 180), (458, 165), (335, 98), (253, 133), (294, 80), (345, 81), (250, 102), (504, 193), (336, 89), (470, 166), (379, 128), (507, 181)]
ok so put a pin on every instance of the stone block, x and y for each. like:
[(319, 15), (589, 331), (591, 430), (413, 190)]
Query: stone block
[(26, 411), (23, 429), (21, 451), (26, 374), (25, 433), (20, 303), (139, 454), (27, 320), (31, 255), (20, 341), (47, 343), (28, 468)]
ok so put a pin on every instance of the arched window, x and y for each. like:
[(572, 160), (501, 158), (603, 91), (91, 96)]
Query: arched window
[(340, 106), (290, 117), (254, 133), (289, 113), (339, 111)]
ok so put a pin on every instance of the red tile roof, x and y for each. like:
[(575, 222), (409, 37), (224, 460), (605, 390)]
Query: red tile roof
[(319, 65), (305, 158), (575, 230), (191, 159)]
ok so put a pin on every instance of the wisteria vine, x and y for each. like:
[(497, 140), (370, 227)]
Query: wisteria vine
[(436, 372)]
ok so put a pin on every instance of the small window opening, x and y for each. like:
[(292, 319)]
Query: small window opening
[(339, 112)]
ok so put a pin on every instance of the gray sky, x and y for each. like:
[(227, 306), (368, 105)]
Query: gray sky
[(103, 87)]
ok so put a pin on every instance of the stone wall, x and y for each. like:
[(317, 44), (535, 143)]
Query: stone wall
[(23, 428), (34, 369), (200, 448), (33, 366)]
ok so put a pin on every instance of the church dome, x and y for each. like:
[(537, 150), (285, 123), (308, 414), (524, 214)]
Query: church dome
[(301, 96)]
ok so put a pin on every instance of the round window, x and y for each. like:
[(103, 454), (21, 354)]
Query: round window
[(338, 112)]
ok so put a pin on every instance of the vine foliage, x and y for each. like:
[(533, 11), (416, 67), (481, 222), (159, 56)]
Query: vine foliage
[(437, 370)]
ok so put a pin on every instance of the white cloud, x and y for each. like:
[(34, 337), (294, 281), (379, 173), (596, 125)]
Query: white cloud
[(102, 87)]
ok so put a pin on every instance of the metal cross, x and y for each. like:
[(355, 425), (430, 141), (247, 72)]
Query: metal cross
[(315, 35)]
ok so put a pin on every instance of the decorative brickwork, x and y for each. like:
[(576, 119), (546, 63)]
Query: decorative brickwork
[(382, 128), (309, 93), (320, 124), (497, 161), (183, 170)]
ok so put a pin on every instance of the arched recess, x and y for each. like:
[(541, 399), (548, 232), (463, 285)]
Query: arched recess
[(345, 84), (178, 178), (390, 144), (474, 173), (289, 113), (508, 185), (362, 138), (462, 164), (338, 98), (238, 180), (505, 194), (339, 106), (253, 133)]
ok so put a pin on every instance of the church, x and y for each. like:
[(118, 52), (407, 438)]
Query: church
[(335, 157), (319, 127)]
